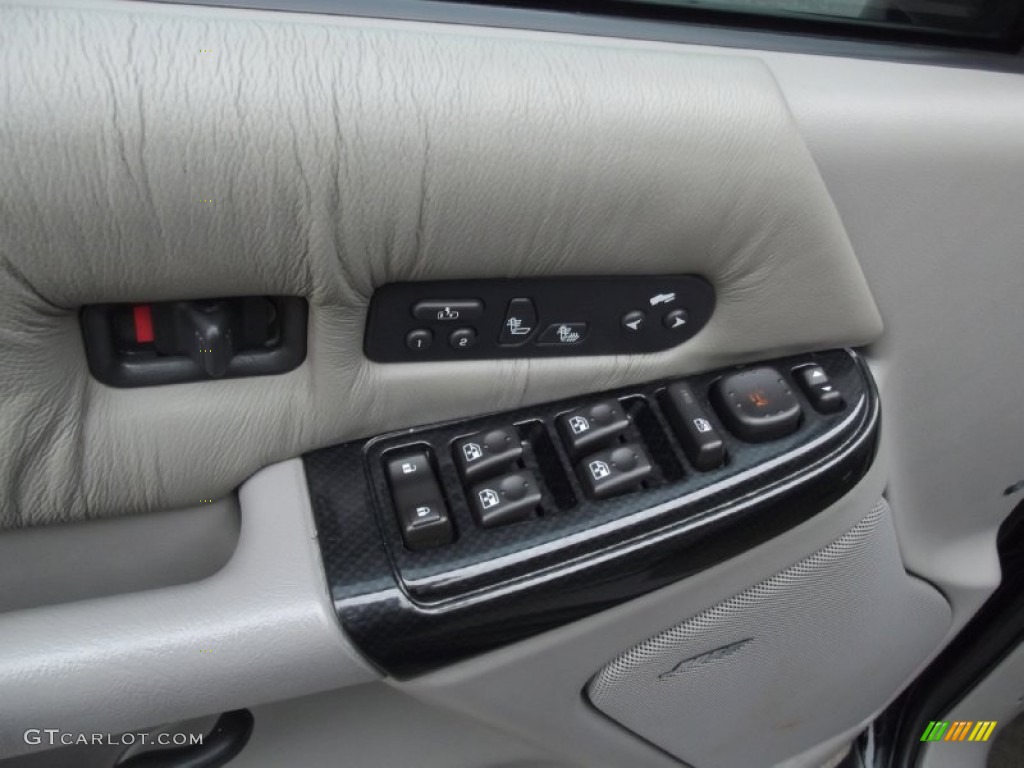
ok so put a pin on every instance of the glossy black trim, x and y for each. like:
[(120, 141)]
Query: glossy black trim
[(492, 587), (995, 632)]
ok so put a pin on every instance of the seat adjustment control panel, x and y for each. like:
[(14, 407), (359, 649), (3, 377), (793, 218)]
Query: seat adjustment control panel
[(534, 317)]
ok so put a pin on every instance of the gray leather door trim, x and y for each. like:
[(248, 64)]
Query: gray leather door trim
[(260, 629), (344, 153)]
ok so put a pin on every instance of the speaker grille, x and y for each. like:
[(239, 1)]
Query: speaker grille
[(785, 664)]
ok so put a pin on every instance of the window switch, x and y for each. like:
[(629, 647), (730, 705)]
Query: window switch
[(488, 453), (700, 440), (591, 427), (614, 470), (819, 389), (422, 514), (756, 405), (510, 498)]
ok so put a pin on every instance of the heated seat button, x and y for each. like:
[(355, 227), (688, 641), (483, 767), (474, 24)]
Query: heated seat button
[(487, 453), (819, 388), (587, 429), (510, 498), (700, 440), (520, 322), (614, 470), (422, 515), (756, 405), (448, 310), (563, 334)]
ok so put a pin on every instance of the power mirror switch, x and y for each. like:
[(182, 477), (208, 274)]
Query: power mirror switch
[(819, 389), (700, 440), (487, 453), (591, 427), (614, 470), (422, 514), (757, 405), (511, 498)]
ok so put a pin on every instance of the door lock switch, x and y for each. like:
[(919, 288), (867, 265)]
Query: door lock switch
[(756, 405), (819, 389), (422, 515), (591, 427), (614, 470), (511, 498), (487, 453), (701, 442)]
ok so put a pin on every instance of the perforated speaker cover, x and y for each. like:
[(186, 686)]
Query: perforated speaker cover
[(787, 663)]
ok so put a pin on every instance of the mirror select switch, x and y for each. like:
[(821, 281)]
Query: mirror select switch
[(487, 453), (587, 429), (756, 405), (614, 470), (422, 514), (510, 498)]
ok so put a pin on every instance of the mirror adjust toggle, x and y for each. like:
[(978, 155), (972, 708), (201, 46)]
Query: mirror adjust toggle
[(563, 334), (819, 389), (593, 426), (422, 514), (520, 322), (511, 498), (487, 453), (614, 470), (757, 405), (700, 440)]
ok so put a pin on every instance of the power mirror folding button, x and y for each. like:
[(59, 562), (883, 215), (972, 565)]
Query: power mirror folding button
[(819, 389), (507, 499), (593, 426), (487, 453), (422, 514), (520, 322), (757, 405), (614, 470), (698, 436)]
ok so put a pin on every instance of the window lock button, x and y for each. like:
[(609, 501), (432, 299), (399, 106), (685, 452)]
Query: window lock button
[(700, 440)]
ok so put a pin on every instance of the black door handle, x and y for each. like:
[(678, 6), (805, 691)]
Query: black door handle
[(220, 746)]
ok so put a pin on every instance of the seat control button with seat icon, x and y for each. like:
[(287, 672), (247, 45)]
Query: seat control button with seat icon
[(487, 453), (448, 310), (614, 470), (520, 322), (564, 334), (591, 427), (422, 514), (511, 498), (701, 442), (756, 405)]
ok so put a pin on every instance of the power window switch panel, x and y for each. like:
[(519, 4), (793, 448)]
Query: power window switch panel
[(511, 498), (756, 405), (700, 440), (422, 515), (591, 427), (488, 453), (819, 389), (614, 470)]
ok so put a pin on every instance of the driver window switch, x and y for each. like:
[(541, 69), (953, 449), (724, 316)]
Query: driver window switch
[(591, 427), (487, 453), (614, 470), (422, 514), (511, 498)]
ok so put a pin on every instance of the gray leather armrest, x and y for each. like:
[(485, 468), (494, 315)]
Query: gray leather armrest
[(260, 629)]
